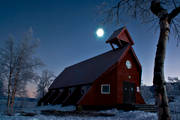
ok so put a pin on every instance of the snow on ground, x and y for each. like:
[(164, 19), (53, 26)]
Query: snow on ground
[(175, 108), (120, 115), (49, 107)]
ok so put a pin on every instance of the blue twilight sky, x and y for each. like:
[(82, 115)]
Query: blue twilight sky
[(66, 29)]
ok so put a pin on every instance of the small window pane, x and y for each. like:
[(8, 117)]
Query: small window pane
[(105, 89), (132, 89)]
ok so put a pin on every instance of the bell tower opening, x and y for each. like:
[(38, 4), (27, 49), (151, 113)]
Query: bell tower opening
[(120, 38), (116, 44)]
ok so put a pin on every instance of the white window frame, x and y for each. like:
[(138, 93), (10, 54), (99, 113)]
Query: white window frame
[(102, 92)]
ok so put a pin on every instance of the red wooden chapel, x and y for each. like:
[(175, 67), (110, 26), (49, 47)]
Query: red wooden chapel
[(110, 79)]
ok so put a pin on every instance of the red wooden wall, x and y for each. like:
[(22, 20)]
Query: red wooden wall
[(94, 96), (123, 73), (114, 76), (124, 36)]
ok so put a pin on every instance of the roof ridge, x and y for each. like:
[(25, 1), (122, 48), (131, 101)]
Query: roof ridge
[(98, 56)]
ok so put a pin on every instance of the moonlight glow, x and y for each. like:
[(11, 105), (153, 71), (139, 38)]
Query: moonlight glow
[(100, 32)]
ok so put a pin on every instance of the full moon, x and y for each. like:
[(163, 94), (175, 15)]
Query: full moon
[(99, 32)]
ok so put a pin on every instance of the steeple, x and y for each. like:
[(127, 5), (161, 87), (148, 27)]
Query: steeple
[(119, 38)]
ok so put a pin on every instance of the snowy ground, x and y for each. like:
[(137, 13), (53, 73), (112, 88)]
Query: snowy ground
[(175, 108), (119, 115), (31, 107)]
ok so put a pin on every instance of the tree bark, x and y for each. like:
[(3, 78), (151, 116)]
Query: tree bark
[(18, 69), (165, 19), (11, 69), (159, 80), (9, 91), (14, 90)]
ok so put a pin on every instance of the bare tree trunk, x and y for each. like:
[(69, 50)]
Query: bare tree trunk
[(159, 80), (14, 90), (11, 69), (9, 91), (13, 96)]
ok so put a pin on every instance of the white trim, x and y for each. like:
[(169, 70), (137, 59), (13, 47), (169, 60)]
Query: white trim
[(138, 89), (102, 92)]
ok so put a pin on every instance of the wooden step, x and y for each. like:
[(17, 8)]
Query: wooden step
[(146, 107)]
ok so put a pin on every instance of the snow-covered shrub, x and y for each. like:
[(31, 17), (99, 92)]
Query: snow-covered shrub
[(173, 86), (147, 94)]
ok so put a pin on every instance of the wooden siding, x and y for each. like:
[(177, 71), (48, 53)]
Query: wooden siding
[(115, 76), (124, 36), (123, 73), (94, 96)]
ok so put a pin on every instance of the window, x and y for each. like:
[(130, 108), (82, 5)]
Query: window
[(105, 89), (132, 89), (128, 64)]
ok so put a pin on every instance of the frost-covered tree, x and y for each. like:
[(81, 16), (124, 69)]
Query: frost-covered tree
[(173, 79), (43, 82), (147, 94), (173, 86), (162, 12), (18, 64)]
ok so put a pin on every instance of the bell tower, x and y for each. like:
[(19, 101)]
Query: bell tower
[(120, 38)]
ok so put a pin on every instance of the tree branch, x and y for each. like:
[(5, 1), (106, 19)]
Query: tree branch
[(174, 3), (173, 14), (157, 9), (176, 32)]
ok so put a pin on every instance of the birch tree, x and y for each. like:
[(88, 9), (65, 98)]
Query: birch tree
[(7, 66), (18, 63), (165, 13)]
